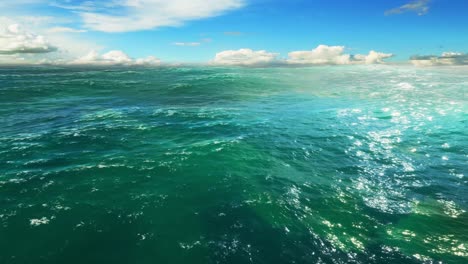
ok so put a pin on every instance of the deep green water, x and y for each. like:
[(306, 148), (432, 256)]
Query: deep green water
[(357, 164)]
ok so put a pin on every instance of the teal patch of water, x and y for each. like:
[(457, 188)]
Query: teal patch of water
[(359, 164)]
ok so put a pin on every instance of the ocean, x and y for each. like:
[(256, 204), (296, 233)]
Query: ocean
[(327, 164)]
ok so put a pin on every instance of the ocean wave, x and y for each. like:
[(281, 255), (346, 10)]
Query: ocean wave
[(333, 164)]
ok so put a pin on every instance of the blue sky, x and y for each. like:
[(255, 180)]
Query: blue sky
[(194, 31)]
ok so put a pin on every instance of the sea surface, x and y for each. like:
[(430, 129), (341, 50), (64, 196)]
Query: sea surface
[(329, 164)]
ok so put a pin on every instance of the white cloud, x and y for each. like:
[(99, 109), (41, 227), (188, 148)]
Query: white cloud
[(65, 30), (133, 15), (35, 32), (245, 57), (373, 57), (334, 55), (18, 45), (15, 40), (189, 44), (151, 60), (421, 7), (446, 59), (90, 58), (114, 57), (323, 54), (84, 6)]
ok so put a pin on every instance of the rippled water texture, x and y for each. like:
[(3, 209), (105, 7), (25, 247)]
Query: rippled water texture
[(358, 164)]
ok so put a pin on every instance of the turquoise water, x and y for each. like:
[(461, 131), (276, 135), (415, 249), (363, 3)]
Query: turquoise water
[(356, 164)]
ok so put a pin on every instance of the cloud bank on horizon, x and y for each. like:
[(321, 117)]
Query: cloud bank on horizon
[(79, 32), (113, 57), (447, 58), (321, 55)]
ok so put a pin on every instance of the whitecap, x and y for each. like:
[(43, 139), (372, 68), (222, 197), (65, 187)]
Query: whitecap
[(405, 86), (38, 222)]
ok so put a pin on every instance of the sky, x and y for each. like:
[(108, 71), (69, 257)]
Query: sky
[(234, 32)]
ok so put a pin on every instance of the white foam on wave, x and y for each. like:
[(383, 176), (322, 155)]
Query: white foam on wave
[(405, 86), (39, 221), (104, 114), (102, 166)]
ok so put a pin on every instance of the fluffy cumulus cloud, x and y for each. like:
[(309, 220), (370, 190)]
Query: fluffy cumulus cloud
[(18, 45), (133, 15), (372, 58), (321, 55), (446, 59), (334, 55), (421, 7), (245, 57), (114, 57), (15, 40), (150, 60), (37, 39)]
